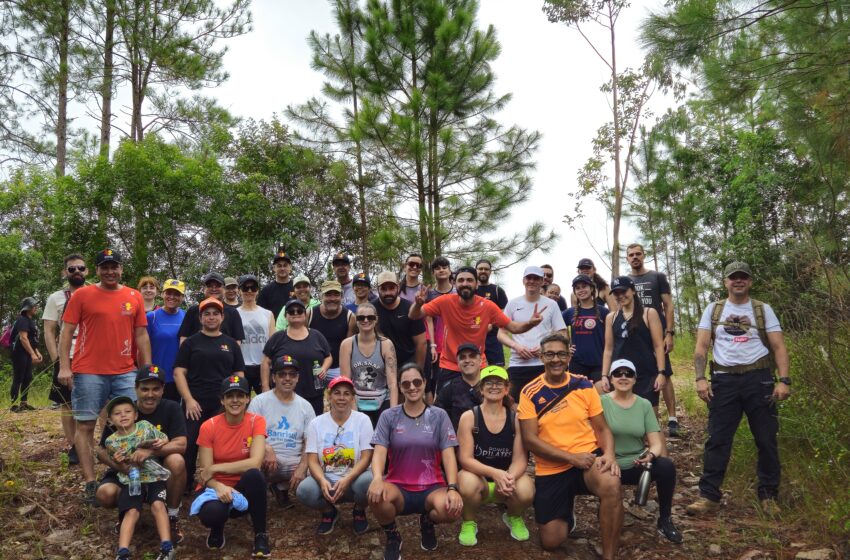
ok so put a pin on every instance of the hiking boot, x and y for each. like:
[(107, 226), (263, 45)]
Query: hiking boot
[(26, 406), (328, 522), (673, 428), (770, 508), (169, 554), (15, 408), (176, 534), (73, 458), (216, 540), (261, 546), (702, 505), (359, 522), (89, 494), (392, 550), (519, 532), (669, 531), (429, 535), (281, 496), (468, 535)]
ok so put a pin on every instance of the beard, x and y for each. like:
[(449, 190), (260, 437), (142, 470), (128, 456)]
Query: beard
[(76, 280), (483, 278), (466, 293), (388, 300)]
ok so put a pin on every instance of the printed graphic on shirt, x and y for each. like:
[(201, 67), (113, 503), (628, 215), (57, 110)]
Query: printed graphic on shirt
[(283, 434), (737, 326), (366, 375), (338, 452)]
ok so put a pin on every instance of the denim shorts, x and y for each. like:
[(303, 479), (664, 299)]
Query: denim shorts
[(92, 391)]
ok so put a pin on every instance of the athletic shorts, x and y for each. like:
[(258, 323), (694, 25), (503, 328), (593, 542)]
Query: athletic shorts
[(151, 492), (414, 502), (554, 495), (109, 477), (520, 376), (59, 393)]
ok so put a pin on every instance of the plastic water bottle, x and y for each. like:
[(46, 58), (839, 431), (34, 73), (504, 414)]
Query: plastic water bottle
[(317, 369), (135, 484)]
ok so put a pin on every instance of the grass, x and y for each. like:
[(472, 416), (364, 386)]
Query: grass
[(39, 392)]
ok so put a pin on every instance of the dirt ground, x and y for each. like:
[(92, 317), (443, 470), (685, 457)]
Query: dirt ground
[(42, 517)]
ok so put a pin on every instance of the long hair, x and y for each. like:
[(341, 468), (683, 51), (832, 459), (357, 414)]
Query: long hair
[(637, 312), (368, 305), (593, 292), (600, 282)]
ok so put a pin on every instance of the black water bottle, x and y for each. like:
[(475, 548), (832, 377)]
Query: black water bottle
[(642, 490)]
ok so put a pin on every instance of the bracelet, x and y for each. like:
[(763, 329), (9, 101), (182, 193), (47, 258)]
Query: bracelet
[(700, 378), (453, 487)]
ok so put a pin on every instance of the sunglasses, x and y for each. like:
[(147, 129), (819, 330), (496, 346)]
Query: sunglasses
[(406, 385), (286, 373), (250, 288), (295, 311), (627, 373), (414, 265), (366, 318), (73, 269)]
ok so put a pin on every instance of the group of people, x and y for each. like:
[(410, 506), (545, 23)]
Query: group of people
[(394, 396)]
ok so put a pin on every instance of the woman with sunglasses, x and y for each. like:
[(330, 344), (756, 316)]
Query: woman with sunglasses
[(416, 443), (339, 452), (493, 458), (258, 324), (632, 421), (368, 359)]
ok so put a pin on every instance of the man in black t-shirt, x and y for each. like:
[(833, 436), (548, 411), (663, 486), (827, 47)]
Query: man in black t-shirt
[(407, 335), (493, 349), (460, 394), (276, 293), (548, 278), (232, 322), (166, 416)]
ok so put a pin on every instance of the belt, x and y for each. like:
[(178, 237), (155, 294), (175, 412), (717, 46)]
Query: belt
[(762, 363)]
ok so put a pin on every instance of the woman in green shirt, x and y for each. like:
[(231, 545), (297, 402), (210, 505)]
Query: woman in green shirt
[(632, 420)]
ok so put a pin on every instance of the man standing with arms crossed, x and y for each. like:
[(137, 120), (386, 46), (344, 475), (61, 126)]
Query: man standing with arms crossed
[(113, 332)]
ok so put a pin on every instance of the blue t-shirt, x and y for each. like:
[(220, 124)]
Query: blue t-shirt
[(588, 333), (162, 330)]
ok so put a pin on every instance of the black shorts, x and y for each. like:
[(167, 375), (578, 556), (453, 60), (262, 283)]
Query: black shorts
[(151, 492), (520, 376), (651, 396), (109, 477), (594, 373), (252, 374), (59, 393), (668, 367), (414, 502), (554, 495)]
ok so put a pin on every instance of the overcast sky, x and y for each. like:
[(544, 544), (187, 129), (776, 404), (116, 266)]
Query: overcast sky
[(552, 73)]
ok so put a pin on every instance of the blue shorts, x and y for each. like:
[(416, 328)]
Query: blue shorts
[(92, 391), (414, 502)]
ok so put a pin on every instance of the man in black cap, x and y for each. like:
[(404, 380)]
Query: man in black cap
[(276, 293), (168, 418), (493, 349), (341, 264), (232, 323), (362, 288), (460, 394)]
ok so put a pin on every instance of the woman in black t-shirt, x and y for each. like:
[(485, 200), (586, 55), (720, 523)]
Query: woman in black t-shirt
[(493, 459), (24, 354)]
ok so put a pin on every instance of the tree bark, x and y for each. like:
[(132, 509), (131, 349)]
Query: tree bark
[(62, 87), (106, 87)]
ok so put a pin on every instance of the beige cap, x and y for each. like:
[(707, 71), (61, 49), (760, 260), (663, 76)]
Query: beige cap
[(387, 277), (301, 278), (331, 286)]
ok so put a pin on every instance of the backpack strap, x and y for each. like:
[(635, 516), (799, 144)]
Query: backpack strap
[(715, 317)]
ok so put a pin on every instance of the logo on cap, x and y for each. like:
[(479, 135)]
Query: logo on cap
[(107, 252), (234, 379)]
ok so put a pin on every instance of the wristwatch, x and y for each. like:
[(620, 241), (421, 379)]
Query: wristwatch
[(785, 380), (671, 332), (453, 487)]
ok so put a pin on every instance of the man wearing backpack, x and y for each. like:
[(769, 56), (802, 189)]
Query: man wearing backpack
[(747, 346)]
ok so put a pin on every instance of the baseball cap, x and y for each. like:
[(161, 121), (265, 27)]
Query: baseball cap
[(210, 301), (107, 255), (584, 263), (583, 279), (122, 399), (387, 277), (245, 278), (533, 271), (341, 257), (362, 278), (301, 278), (622, 283), (331, 286), (337, 380), (235, 383), (737, 266), (212, 277), (622, 364), (174, 284), (148, 372), (281, 255), (230, 281), (28, 303), (284, 361), (292, 303), (494, 371), (467, 346)]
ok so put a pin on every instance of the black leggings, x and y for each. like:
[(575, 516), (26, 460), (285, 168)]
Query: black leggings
[(193, 428), (21, 375), (252, 485), (663, 473)]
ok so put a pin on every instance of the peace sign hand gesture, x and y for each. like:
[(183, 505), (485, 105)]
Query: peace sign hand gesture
[(536, 317), (421, 295)]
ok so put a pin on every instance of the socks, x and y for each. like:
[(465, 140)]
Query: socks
[(174, 512), (672, 419)]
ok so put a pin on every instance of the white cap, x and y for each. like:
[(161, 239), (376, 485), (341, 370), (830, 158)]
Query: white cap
[(622, 364), (533, 271)]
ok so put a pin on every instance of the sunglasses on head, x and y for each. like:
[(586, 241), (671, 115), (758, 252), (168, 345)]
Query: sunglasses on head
[(405, 385), (366, 318), (73, 269), (627, 373)]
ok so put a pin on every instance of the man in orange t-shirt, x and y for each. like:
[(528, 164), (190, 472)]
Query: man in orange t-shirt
[(467, 318), (112, 333), (561, 422)]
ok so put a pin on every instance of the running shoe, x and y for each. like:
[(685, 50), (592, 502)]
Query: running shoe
[(170, 554), (673, 428), (90, 494), (328, 522), (429, 535), (216, 540), (261, 546), (281, 496), (669, 531), (468, 535), (73, 458), (359, 522), (519, 532), (702, 505), (392, 550)]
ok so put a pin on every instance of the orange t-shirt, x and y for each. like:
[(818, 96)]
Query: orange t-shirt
[(464, 323), (567, 425), (230, 443), (107, 322)]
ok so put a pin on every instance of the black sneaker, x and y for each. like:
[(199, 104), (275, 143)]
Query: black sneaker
[(216, 540), (328, 522), (281, 496), (89, 494), (360, 524), (667, 530), (261, 546), (392, 550), (73, 458), (122, 555), (176, 534), (26, 406), (673, 428), (15, 408), (429, 536)]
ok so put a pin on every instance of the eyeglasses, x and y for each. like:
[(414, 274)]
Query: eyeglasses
[(552, 355), (295, 311), (73, 269), (627, 373), (251, 288), (406, 385), (414, 265), (493, 383), (366, 318)]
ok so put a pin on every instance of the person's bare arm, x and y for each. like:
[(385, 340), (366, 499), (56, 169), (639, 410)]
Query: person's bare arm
[(669, 320), (345, 350), (605, 439), (781, 391), (700, 361), (50, 339), (352, 324), (265, 371), (143, 344), (655, 329), (517, 327), (390, 369), (603, 385), (66, 377), (419, 341)]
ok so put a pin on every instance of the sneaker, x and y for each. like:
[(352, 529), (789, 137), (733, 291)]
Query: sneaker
[(73, 458), (15, 408), (328, 522), (519, 532), (669, 531), (261, 546), (216, 540), (359, 522), (468, 533), (281, 496), (429, 535), (770, 508), (89, 494), (176, 533), (123, 554), (392, 550), (169, 555), (702, 505), (673, 428)]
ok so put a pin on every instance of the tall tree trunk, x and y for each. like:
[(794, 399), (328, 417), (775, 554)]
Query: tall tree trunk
[(361, 185), (106, 86), (619, 189), (62, 87)]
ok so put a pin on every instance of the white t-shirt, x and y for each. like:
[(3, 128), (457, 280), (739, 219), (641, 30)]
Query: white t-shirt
[(520, 309), (53, 309), (738, 347), (286, 424), (339, 450), (256, 326)]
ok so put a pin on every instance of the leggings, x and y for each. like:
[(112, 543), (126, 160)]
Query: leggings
[(663, 473), (21, 375), (252, 485), (193, 428)]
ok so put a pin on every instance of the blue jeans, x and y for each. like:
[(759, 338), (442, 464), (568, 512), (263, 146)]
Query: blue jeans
[(92, 391), (310, 494)]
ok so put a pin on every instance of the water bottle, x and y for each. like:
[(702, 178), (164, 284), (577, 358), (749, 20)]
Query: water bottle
[(317, 369), (135, 484), (642, 490)]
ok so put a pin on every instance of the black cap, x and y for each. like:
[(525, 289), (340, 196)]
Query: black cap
[(212, 276), (123, 399), (245, 278), (107, 255), (235, 383), (622, 283), (362, 278), (28, 303), (294, 302), (341, 257), (284, 361), (584, 263), (148, 372), (467, 346), (583, 278), (281, 255)]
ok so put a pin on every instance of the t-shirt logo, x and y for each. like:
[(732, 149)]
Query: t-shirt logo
[(476, 323), (541, 400), (739, 327), (225, 348), (127, 308), (283, 424), (589, 324), (247, 445)]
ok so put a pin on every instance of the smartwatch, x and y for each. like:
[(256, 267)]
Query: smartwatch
[(453, 487), (785, 380)]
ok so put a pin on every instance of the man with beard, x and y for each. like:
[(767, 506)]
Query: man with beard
[(74, 272), (549, 278), (232, 323), (276, 293), (332, 320), (341, 264), (467, 318), (494, 351), (406, 334)]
